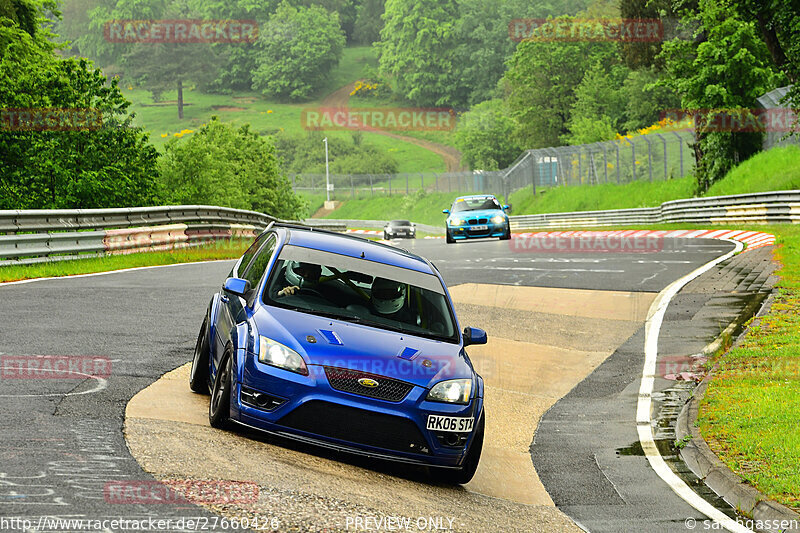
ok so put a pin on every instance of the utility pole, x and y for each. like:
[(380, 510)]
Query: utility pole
[(327, 174)]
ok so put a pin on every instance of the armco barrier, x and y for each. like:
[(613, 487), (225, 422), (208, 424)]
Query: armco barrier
[(34, 236), (758, 208)]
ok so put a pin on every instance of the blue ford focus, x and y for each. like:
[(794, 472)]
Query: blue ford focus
[(476, 216), (345, 343)]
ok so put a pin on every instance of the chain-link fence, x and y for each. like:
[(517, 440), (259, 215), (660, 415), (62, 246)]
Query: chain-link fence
[(656, 156), (345, 186), (651, 157)]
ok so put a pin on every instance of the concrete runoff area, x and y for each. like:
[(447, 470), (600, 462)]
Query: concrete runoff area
[(542, 343)]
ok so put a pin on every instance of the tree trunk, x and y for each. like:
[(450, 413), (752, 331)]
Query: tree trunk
[(774, 45), (180, 99)]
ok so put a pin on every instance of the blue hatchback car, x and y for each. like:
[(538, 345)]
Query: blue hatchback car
[(346, 343), (476, 216)]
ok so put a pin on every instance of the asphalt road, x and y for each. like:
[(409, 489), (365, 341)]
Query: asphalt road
[(62, 441)]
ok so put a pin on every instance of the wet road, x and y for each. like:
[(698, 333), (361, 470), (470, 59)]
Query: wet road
[(62, 439)]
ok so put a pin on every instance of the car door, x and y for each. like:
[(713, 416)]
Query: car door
[(232, 307)]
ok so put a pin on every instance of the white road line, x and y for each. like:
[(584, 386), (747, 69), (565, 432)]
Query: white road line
[(643, 421), (107, 272)]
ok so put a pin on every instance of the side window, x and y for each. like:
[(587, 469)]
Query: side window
[(259, 264), (250, 252)]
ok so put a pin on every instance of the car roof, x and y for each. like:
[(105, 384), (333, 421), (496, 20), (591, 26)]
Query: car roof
[(353, 246)]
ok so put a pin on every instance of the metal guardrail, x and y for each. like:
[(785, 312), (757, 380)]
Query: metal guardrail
[(33, 236), (757, 208)]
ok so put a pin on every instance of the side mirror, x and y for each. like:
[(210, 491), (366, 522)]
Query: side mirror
[(505, 207), (446, 211), (474, 336), (237, 286), (414, 225)]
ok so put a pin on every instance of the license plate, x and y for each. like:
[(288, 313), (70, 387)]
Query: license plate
[(458, 424), (483, 227)]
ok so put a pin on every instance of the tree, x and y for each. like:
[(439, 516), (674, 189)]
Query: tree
[(369, 21), (599, 107), (110, 164), (646, 101), (728, 69), (297, 49), (540, 86), (417, 50), (484, 136), (228, 166)]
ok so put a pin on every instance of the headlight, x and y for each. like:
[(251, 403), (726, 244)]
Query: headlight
[(498, 219), (456, 221), (276, 354), (451, 391)]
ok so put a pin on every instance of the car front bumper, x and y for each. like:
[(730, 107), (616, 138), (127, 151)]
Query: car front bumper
[(468, 231), (313, 411)]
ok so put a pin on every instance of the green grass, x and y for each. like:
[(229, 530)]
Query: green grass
[(267, 116), (775, 170), (227, 249), (749, 414), (425, 209), (597, 197)]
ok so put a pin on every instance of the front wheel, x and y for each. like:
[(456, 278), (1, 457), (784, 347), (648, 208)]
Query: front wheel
[(466, 471), (385, 236), (449, 238), (507, 235), (219, 408), (198, 378)]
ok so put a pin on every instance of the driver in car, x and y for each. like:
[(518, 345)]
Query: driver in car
[(388, 298), (300, 275)]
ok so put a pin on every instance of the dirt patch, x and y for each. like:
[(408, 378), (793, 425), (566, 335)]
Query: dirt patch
[(227, 108)]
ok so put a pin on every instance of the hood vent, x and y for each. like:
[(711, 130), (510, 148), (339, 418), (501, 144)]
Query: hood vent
[(331, 337)]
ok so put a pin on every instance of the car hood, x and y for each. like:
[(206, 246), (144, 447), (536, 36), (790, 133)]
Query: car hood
[(481, 213), (341, 344)]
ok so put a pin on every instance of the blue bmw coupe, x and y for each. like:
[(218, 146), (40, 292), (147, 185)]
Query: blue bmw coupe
[(345, 343), (476, 216)]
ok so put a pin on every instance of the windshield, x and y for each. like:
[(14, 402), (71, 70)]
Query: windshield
[(475, 204), (365, 292), (399, 223)]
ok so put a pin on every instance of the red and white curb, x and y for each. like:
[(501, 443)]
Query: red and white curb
[(365, 231), (753, 239)]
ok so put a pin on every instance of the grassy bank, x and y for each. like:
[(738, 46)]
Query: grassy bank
[(423, 209), (749, 415), (777, 169), (228, 249)]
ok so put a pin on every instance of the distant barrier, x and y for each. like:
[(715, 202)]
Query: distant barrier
[(34, 236)]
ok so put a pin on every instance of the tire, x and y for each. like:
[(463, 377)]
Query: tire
[(507, 235), (464, 473), (219, 408), (385, 237), (198, 376), (448, 238)]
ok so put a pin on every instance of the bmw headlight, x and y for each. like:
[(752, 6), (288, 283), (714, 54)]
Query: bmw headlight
[(274, 353), (456, 221), (451, 391), (498, 219)]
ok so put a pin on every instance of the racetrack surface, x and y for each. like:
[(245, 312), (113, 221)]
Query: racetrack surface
[(60, 448)]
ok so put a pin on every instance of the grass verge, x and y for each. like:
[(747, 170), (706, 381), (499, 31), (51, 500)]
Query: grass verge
[(749, 414), (228, 249)]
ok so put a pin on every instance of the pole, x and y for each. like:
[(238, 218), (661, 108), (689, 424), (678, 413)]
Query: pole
[(327, 173)]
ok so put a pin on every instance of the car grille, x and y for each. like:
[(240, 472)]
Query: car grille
[(357, 426), (346, 380), (478, 220)]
